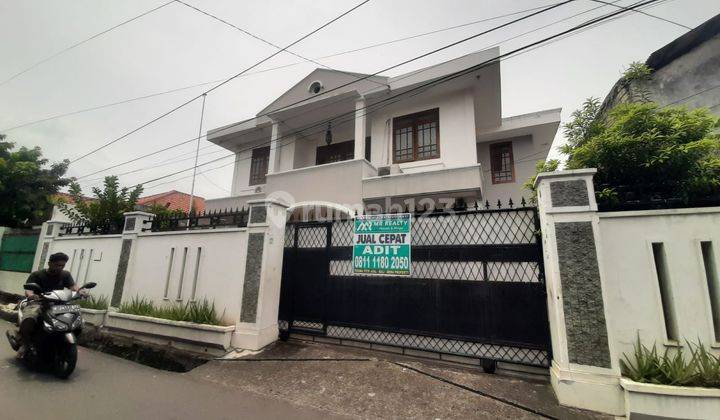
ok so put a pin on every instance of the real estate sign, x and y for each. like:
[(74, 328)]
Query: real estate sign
[(381, 244)]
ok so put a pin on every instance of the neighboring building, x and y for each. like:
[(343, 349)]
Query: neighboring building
[(685, 72), (173, 200), (440, 144)]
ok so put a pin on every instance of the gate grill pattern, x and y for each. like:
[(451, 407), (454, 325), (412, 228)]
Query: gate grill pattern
[(476, 289)]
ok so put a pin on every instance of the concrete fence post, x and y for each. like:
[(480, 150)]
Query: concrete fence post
[(134, 224), (258, 323), (582, 372), (50, 230)]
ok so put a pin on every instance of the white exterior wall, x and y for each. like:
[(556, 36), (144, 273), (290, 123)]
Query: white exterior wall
[(241, 173), (12, 282), (92, 258), (220, 272), (633, 304), (457, 130), (524, 168)]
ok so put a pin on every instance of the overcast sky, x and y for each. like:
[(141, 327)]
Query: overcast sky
[(175, 47)]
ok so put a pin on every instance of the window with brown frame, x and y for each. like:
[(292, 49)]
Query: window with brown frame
[(501, 163), (259, 165), (335, 152), (416, 136)]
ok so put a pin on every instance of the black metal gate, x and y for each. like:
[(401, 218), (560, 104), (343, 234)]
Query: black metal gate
[(477, 287)]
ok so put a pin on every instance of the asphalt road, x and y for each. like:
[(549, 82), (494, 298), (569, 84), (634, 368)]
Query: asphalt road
[(107, 387)]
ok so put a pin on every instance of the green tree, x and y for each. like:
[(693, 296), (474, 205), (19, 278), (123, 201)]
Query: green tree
[(634, 82), (540, 166), (106, 208), (583, 125), (653, 151), (27, 183), (165, 211)]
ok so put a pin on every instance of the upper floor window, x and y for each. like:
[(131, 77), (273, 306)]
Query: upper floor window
[(416, 136), (259, 165), (501, 163)]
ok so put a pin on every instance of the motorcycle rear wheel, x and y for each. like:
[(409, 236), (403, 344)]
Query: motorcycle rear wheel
[(65, 360)]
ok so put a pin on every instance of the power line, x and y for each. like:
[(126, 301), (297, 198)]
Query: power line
[(588, 24), (367, 47), (367, 76), (646, 14), (463, 72), (221, 83), (553, 6), (79, 43), (263, 40)]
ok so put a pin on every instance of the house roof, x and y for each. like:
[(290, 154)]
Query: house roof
[(669, 53), (684, 44), (61, 196), (347, 85), (173, 200)]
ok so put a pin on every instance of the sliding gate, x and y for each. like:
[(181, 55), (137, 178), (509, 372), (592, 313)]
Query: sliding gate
[(477, 287)]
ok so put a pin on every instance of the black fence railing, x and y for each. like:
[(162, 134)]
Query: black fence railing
[(109, 227), (650, 197), (205, 220)]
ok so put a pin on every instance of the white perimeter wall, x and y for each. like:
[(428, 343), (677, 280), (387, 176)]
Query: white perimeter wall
[(629, 277), (92, 258), (220, 272)]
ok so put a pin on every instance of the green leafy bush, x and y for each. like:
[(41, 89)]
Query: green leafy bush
[(700, 369), (199, 312), (653, 152), (540, 166), (92, 302)]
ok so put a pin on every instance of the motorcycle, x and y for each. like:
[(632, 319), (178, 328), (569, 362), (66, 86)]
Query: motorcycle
[(53, 344)]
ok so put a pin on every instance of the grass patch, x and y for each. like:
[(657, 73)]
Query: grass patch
[(92, 302), (200, 312), (700, 368)]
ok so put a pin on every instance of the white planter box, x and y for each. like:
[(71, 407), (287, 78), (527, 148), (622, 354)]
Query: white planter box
[(95, 317), (187, 335), (669, 401)]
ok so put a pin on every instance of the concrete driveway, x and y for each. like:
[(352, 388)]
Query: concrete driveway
[(107, 387), (288, 380)]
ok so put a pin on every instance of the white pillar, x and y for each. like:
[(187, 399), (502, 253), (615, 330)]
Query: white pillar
[(274, 161), (260, 300), (135, 223), (584, 373), (360, 128)]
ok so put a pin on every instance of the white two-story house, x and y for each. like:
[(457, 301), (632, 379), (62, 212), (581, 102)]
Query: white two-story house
[(432, 137)]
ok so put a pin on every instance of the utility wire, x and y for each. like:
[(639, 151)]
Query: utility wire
[(165, 114), (553, 6), (561, 20), (367, 47), (264, 41), (79, 43), (646, 14), (466, 71)]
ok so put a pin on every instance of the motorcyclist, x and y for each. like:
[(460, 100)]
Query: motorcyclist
[(52, 278)]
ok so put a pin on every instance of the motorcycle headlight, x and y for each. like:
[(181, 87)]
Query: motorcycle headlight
[(58, 325)]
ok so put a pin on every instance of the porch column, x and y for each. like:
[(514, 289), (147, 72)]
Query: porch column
[(583, 372), (274, 161), (360, 131), (260, 299)]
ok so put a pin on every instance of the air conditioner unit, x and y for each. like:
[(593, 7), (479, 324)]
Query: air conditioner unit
[(383, 170)]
